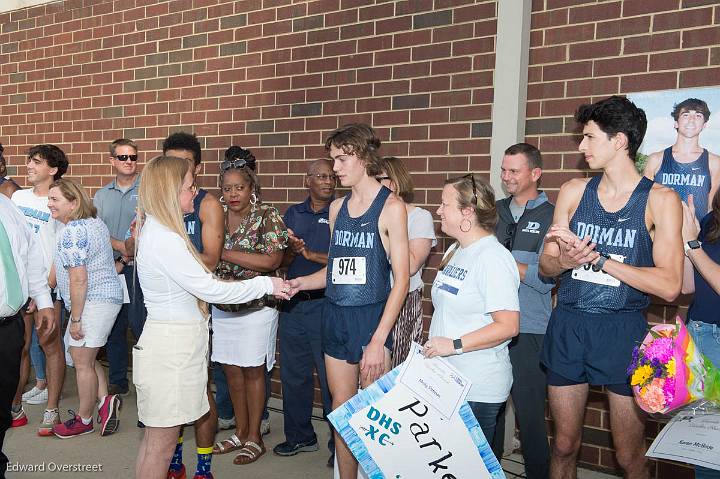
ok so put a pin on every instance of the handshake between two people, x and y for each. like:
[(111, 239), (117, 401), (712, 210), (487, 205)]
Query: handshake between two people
[(285, 288)]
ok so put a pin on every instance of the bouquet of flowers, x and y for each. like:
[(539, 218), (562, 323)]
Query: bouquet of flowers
[(667, 370)]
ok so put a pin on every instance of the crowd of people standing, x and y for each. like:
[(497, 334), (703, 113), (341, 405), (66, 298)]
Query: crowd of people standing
[(211, 282)]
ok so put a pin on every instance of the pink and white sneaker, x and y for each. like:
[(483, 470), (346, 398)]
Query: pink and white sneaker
[(108, 414), (72, 427)]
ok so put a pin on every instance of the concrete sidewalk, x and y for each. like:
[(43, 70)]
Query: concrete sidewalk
[(116, 454)]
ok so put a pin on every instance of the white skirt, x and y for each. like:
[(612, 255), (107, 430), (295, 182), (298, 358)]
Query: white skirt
[(244, 339), (97, 322), (170, 372)]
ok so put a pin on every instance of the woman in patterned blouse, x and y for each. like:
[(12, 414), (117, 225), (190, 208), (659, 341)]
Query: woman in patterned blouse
[(89, 285), (244, 335)]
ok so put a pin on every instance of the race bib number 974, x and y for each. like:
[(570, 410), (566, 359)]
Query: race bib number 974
[(348, 270)]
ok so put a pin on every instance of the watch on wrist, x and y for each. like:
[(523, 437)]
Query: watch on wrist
[(693, 244), (73, 320), (458, 346), (120, 260), (600, 262)]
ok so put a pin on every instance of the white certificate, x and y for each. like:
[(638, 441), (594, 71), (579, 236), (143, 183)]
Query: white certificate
[(435, 381), (691, 436)]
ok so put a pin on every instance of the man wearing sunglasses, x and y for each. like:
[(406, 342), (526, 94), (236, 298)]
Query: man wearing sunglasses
[(116, 204), (523, 219)]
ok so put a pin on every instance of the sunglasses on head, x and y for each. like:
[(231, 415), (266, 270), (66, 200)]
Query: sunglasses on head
[(126, 157), (237, 163), (474, 187)]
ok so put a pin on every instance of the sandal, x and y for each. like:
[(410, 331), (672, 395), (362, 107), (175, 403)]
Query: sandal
[(227, 445), (249, 453)]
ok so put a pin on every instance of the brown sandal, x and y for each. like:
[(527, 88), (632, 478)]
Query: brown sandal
[(249, 453), (228, 445)]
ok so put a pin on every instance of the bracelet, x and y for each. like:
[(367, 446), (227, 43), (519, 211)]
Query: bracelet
[(75, 320), (120, 260)]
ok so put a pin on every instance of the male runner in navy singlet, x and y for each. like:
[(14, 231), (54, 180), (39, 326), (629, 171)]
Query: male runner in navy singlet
[(367, 227), (615, 240)]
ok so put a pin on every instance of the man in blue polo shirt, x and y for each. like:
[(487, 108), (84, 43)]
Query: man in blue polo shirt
[(300, 348), (116, 204)]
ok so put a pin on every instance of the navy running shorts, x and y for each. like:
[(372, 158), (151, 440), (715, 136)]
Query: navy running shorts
[(346, 330), (593, 348)]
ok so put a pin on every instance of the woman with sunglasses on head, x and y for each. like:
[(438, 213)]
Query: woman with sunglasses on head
[(170, 361), (244, 335), (421, 239), (475, 296)]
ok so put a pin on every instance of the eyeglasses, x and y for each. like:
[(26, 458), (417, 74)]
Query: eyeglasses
[(380, 178), (237, 163), (323, 176), (510, 230), (474, 187), (126, 157)]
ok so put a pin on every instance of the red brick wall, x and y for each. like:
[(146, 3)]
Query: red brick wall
[(277, 75), (582, 51), (272, 75)]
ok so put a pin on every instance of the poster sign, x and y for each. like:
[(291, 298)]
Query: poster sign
[(661, 132), (396, 435), (691, 436)]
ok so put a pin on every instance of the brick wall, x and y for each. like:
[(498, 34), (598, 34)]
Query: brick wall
[(271, 75), (582, 51), (277, 75)]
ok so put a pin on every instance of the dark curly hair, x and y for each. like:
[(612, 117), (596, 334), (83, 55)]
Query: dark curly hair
[(54, 157), (616, 115), (183, 141)]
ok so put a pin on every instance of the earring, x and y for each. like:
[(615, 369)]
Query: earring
[(253, 199), (222, 200), (469, 225)]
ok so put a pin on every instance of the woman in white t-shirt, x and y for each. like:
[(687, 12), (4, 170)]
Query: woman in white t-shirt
[(475, 296), (421, 237)]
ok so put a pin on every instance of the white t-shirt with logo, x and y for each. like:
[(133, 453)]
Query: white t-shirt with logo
[(40, 221), (479, 279)]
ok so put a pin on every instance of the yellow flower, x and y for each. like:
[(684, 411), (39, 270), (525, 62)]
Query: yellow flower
[(671, 368), (641, 375)]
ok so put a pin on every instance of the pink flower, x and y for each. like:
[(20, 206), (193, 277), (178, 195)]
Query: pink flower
[(669, 389), (661, 349), (653, 396)]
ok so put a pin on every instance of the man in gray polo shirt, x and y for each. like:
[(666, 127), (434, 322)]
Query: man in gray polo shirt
[(116, 204)]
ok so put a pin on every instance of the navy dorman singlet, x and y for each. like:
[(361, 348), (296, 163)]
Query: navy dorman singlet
[(622, 233), (358, 271), (687, 179), (193, 225)]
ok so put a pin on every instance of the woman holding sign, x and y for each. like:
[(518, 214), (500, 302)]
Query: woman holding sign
[(475, 296), (367, 226)]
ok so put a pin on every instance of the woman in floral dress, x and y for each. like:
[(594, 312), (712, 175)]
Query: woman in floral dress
[(243, 338)]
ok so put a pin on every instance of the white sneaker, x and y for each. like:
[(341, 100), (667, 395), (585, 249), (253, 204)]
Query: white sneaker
[(33, 392), (39, 398), (225, 424), (265, 427)]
